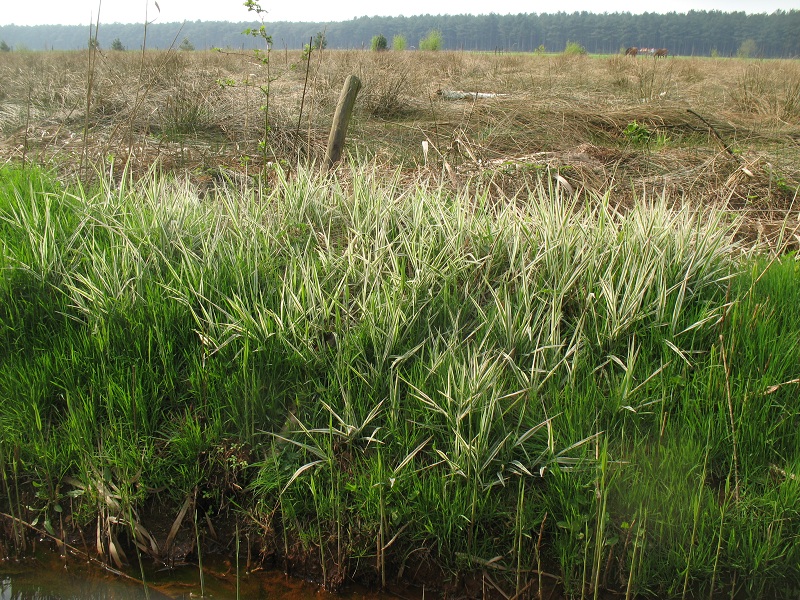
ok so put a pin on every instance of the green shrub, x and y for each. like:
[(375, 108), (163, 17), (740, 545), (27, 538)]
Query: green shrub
[(747, 49), (433, 41), (574, 49), (636, 133), (379, 43)]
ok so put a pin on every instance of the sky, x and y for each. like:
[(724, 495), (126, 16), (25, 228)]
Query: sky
[(81, 12)]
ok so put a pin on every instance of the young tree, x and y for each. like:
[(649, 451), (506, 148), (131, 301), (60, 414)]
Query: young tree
[(262, 56), (379, 43), (399, 43), (4, 47), (320, 41), (432, 41), (747, 49), (186, 45), (574, 49), (117, 45)]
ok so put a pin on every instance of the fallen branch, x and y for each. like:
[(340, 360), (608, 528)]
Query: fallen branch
[(716, 133), (774, 388), (71, 548), (459, 95), (493, 564)]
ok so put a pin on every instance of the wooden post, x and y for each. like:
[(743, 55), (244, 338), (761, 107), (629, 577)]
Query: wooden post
[(341, 119)]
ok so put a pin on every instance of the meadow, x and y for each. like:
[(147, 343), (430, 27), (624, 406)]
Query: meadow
[(553, 350)]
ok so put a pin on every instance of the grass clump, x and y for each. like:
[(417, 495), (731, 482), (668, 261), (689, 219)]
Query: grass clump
[(386, 379)]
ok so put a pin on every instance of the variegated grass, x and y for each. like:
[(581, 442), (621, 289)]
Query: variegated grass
[(418, 375)]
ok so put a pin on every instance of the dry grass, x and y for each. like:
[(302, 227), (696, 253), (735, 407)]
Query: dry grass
[(596, 122)]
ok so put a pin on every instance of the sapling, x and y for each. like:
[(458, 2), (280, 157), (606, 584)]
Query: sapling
[(307, 56), (92, 59), (379, 43), (320, 41), (263, 57)]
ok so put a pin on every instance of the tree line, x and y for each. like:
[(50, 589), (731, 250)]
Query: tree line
[(696, 33)]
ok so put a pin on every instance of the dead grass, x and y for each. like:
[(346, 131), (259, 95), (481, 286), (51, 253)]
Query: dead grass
[(704, 131)]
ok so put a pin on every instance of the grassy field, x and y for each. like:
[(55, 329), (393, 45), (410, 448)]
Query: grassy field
[(724, 130), (558, 354)]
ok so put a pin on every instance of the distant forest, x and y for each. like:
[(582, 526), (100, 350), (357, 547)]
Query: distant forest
[(696, 33)]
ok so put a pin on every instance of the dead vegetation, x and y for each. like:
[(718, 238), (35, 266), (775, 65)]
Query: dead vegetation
[(704, 131)]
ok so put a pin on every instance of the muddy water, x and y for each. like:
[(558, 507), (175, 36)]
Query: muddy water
[(53, 578)]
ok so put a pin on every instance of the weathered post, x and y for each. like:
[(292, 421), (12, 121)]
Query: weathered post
[(341, 119)]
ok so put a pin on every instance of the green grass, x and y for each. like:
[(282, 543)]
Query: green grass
[(384, 377)]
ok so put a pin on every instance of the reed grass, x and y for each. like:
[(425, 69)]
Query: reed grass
[(392, 377)]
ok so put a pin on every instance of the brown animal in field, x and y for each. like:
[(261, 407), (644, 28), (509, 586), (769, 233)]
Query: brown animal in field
[(632, 51), (660, 53)]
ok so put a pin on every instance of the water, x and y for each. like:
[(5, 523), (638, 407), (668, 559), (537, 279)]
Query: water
[(53, 578)]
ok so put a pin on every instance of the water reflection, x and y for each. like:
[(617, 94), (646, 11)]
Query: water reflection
[(44, 585), (51, 578), (33, 580)]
